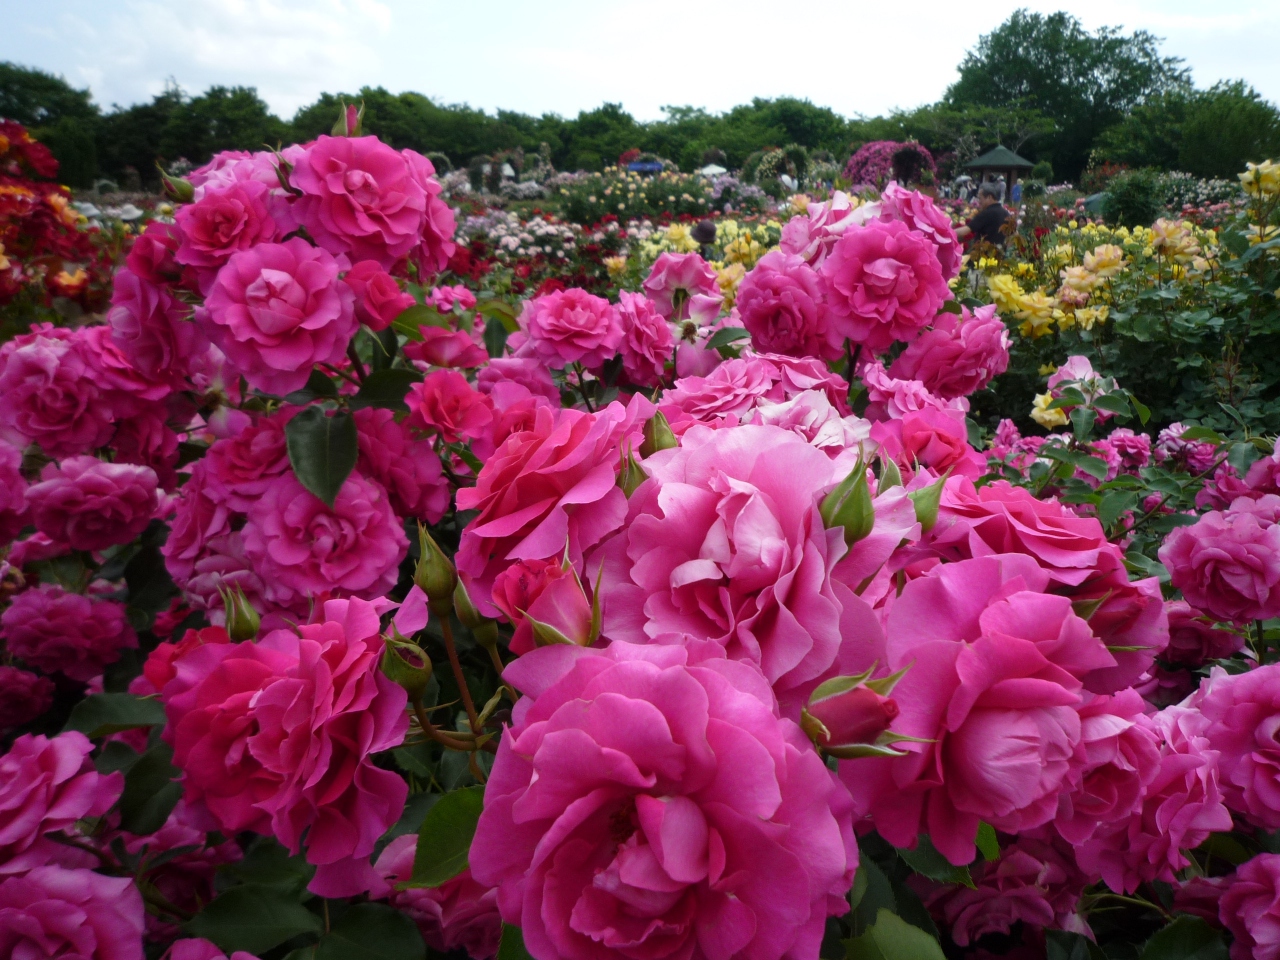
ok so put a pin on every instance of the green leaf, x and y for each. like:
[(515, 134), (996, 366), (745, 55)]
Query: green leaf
[(444, 840), (495, 336), (268, 864), (105, 713), (409, 321), (892, 938), (725, 336), (372, 931), (1201, 433), (951, 306), (1144, 412), (511, 946), (322, 450), (253, 918), (150, 791), (877, 894), (926, 860), (1114, 504), (1082, 421), (1063, 945), (987, 842), (501, 311), (1223, 846), (1093, 466), (386, 388), (1187, 938), (385, 346), (1115, 403), (319, 387)]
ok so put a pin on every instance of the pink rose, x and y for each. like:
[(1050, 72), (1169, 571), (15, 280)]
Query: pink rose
[(223, 565), (379, 299), (783, 306), (278, 309), (202, 514), (1194, 639), (446, 348), (90, 504), (640, 800), (301, 547), (458, 914), (1196, 456), (23, 697), (892, 399), (884, 283), (731, 390), (446, 403), (151, 255), (546, 489), (525, 372), (922, 215), (438, 226), (152, 328), (146, 441), (1250, 909), (222, 222), (931, 438), (810, 415), (241, 467), (1264, 476), (13, 492), (445, 298), (813, 234), (647, 344), (197, 949), (52, 396), (76, 914), (957, 355), (1243, 713), (572, 327), (46, 785), (159, 668), (56, 631), (407, 468), (1134, 448), (517, 588), (277, 736), (683, 286)]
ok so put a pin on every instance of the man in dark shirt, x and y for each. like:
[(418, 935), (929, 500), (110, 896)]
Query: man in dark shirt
[(991, 215)]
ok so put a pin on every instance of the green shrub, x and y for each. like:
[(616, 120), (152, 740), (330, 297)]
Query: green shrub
[(1133, 199)]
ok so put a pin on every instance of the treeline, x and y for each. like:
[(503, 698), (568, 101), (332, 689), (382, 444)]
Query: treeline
[(1039, 84)]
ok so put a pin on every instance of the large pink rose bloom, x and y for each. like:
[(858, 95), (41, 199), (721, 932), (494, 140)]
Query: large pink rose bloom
[(277, 736), (365, 199), (202, 515), (301, 547), (71, 914), (459, 913), (683, 287), (1228, 564), (643, 804), (152, 328), (812, 234), (735, 387), (56, 631), (572, 326), (90, 504), (278, 309), (647, 344), (240, 467), (1250, 908), (546, 489), (922, 215), (725, 549), (884, 283), (783, 306), (46, 785), (13, 493), (52, 395), (1243, 715), (222, 222), (957, 355), (407, 467)]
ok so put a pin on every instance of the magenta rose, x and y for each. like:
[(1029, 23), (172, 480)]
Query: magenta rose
[(239, 468), (90, 504), (50, 383), (683, 286), (446, 403), (224, 221), (223, 565), (1194, 639), (884, 283), (458, 914), (1134, 448), (151, 255), (278, 309), (922, 215), (201, 515), (812, 235), (518, 588), (56, 631), (146, 441), (957, 355), (13, 493), (783, 306), (572, 327), (379, 299), (1250, 908), (302, 548), (277, 736), (198, 949), (76, 914), (1228, 563), (527, 373), (1243, 718), (891, 399), (438, 226), (23, 697), (647, 343), (152, 328), (46, 785), (930, 438), (644, 803), (407, 468), (446, 348)]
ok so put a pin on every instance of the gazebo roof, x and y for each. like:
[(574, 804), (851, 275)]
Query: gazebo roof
[(999, 158)]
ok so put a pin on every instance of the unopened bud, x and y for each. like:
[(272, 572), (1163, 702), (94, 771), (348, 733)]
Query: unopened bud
[(657, 435), (405, 663), (630, 474), (350, 121), (482, 628), (435, 574), (176, 188), (242, 620), (890, 475), (561, 614), (927, 501), (849, 506), (849, 717)]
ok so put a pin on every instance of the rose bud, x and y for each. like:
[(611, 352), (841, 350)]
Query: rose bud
[(849, 717), (435, 574), (561, 614), (405, 663), (849, 506)]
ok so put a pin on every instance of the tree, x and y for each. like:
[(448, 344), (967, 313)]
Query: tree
[(1084, 81), (222, 118), (38, 99)]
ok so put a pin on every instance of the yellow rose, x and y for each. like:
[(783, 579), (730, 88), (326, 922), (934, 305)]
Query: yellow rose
[(1105, 261), (1037, 311), (1005, 292), (1086, 317), (616, 266), (1042, 415), (727, 279), (1259, 179)]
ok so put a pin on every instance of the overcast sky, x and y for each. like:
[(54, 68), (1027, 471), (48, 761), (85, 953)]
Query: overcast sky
[(563, 56)]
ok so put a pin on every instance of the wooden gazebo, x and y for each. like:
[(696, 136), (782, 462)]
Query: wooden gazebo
[(999, 163)]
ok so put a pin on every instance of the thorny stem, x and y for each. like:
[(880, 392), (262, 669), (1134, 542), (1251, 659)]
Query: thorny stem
[(498, 665), (341, 373), (582, 388), (456, 665), (356, 365)]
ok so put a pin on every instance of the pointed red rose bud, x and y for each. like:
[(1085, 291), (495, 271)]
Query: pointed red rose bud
[(849, 717), (561, 614), (175, 188), (435, 574), (350, 121)]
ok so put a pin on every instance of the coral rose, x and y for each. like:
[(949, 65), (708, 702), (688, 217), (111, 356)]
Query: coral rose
[(90, 504), (77, 914), (64, 632)]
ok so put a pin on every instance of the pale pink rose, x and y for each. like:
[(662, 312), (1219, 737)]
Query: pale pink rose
[(444, 402), (922, 215), (1228, 563), (223, 221), (76, 914), (13, 492), (812, 234), (891, 399), (547, 489), (782, 304), (1194, 639), (884, 283), (732, 389), (683, 286), (302, 548), (570, 327), (445, 298), (623, 810), (23, 697), (1181, 807), (241, 466), (446, 348), (46, 785), (647, 344), (201, 515), (152, 328), (52, 396), (278, 309), (1243, 714), (90, 504), (1197, 456), (1250, 908), (379, 299), (56, 631), (526, 372), (458, 914), (957, 355), (811, 416), (277, 737), (407, 468)]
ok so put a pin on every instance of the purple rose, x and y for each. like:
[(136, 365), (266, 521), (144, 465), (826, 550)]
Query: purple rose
[(72, 914), (54, 631)]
